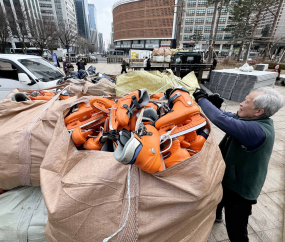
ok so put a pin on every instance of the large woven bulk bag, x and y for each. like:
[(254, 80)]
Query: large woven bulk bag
[(160, 58), (23, 215), (160, 51), (27, 128), (155, 51), (167, 52), (90, 196)]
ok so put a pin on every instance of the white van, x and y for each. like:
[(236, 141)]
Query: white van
[(26, 72)]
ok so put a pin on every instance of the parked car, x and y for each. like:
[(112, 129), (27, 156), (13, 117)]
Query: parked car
[(26, 72)]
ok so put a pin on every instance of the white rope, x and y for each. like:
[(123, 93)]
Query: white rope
[(129, 206)]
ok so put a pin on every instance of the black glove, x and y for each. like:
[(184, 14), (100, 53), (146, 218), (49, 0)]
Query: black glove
[(199, 93), (216, 100)]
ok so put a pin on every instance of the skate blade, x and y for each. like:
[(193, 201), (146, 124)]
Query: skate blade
[(181, 130), (178, 131), (86, 124)]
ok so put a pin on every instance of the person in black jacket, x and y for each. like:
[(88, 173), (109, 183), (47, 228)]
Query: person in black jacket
[(215, 62), (148, 65), (81, 64), (67, 66), (124, 66)]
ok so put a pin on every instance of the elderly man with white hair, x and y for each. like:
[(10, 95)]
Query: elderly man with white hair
[(246, 149)]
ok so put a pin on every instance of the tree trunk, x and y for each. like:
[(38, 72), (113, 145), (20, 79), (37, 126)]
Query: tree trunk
[(217, 22), (272, 29), (281, 56), (253, 34), (240, 51), (210, 56), (68, 53)]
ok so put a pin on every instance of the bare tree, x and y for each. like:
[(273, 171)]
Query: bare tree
[(224, 4), (42, 33), (18, 24), (275, 14), (67, 35), (215, 2), (240, 26), (4, 31), (91, 47), (258, 8), (82, 44)]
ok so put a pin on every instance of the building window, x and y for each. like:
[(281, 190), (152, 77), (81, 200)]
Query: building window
[(44, 5), (187, 37), (49, 17), (201, 12), (219, 36), (221, 28), (224, 11), (188, 29), (209, 20), (210, 11), (222, 20), (206, 36), (190, 12), (189, 20), (228, 36), (152, 41), (199, 21), (207, 29), (191, 3), (198, 28), (202, 2), (47, 11)]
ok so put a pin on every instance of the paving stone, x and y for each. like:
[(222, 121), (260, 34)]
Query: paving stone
[(278, 198), (271, 235), (220, 232)]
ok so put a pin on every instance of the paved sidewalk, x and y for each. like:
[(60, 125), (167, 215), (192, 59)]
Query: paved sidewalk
[(267, 219)]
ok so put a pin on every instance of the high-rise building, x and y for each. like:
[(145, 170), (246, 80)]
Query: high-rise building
[(82, 18), (101, 45), (94, 39), (65, 12), (268, 19), (92, 16), (112, 33), (145, 24), (48, 10), (25, 11), (197, 18)]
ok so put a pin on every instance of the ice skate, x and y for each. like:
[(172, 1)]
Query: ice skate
[(79, 136), (122, 111), (184, 113), (175, 154), (102, 104), (141, 148)]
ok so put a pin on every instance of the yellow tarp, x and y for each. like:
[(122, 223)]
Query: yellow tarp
[(154, 82)]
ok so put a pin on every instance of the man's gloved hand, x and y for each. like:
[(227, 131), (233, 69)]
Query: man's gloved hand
[(199, 93), (216, 100)]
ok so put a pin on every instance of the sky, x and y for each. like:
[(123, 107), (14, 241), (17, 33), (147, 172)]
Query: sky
[(104, 18)]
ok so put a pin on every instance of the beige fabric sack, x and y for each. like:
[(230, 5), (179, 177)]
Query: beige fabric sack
[(160, 51), (86, 194), (155, 51), (167, 52), (27, 128)]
